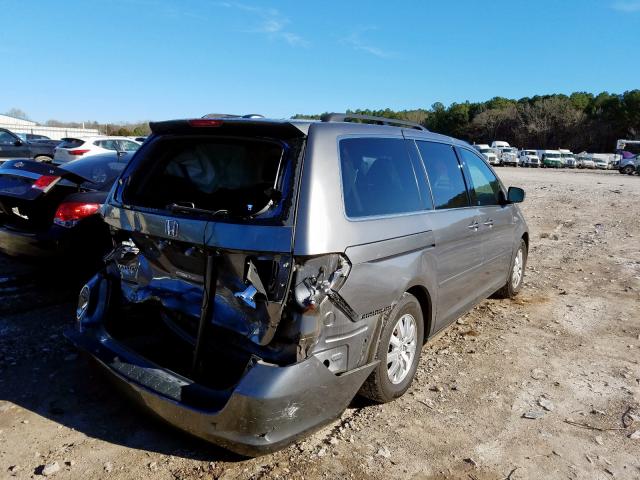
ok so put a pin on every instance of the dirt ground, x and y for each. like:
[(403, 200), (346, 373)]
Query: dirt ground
[(566, 353)]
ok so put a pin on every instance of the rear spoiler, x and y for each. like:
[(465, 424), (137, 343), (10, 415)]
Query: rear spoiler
[(32, 169), (250, 127)]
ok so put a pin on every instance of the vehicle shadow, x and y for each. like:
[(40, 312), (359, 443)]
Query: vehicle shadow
[(69, 389), (42, 373)]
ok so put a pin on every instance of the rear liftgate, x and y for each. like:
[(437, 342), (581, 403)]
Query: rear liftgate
[(228, 303)]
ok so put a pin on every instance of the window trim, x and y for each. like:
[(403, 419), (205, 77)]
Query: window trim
[(365, 218), (423, 169)]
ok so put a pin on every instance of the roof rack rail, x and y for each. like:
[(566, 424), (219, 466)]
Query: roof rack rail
[(342, 117)]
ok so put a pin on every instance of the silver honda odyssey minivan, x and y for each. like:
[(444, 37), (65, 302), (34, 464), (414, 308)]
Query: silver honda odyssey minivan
[(264, 272)]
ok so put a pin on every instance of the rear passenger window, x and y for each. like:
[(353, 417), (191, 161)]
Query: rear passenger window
[(484, 188), (378, 177), (445, 175)]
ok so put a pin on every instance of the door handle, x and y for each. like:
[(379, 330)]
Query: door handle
[(473, 226), (489, 223)]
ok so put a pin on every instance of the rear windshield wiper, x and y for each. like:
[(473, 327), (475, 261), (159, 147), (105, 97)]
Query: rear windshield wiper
[(175, 207)]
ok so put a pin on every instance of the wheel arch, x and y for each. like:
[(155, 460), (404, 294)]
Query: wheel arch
[(426, 305)]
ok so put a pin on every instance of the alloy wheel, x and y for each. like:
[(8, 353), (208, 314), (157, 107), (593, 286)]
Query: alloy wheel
[(402, 348), (516, 274)]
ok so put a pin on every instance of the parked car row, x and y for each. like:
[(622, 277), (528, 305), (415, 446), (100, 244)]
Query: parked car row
[(501, 153), (50, 211), (42, 149), (310, 259)]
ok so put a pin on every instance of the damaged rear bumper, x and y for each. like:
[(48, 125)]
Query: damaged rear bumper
[(269, 408)]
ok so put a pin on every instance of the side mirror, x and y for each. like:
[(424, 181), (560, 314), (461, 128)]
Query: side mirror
[(18, 143), (515, 195)]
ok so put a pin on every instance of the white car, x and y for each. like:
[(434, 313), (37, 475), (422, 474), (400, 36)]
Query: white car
[(529, 158), (74, 148), (585, 162), (601, 163), (488, 153)]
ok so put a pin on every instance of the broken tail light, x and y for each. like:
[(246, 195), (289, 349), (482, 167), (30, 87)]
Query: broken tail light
[(45, 183), (70, 213), (320, 277)]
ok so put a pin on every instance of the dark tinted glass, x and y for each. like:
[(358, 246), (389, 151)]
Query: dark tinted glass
[(378, 177), (445, 175), (71, 143), (7, 139), (100, 170), (484, 186)]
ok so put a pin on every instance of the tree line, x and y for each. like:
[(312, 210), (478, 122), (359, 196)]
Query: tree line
[(138, 129), (581, 121)]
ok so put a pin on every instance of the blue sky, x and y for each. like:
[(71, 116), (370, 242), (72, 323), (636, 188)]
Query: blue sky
[(129, 60)]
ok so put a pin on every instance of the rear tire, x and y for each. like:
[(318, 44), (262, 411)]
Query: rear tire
[(43, 159), (516, 273), (398, 351)]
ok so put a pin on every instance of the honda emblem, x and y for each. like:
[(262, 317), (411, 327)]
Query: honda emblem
[(171, 228)]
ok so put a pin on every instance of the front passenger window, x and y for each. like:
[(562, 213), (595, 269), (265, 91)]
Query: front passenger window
[(485, 187), (128, 146), (108, 144)]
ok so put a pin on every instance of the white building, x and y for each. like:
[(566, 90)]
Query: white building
[(18, 125)]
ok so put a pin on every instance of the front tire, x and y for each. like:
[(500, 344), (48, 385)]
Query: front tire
[(398, 352), (43, 159), (516, 273), (628, 170)]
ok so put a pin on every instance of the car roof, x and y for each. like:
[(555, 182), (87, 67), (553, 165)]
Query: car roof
[(99, 137), (304, 126)]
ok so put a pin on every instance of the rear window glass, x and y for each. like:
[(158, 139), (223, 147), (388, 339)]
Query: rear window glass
[(445, 175), (100, 170), (378, 177), (234, 177), (71, 143)]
